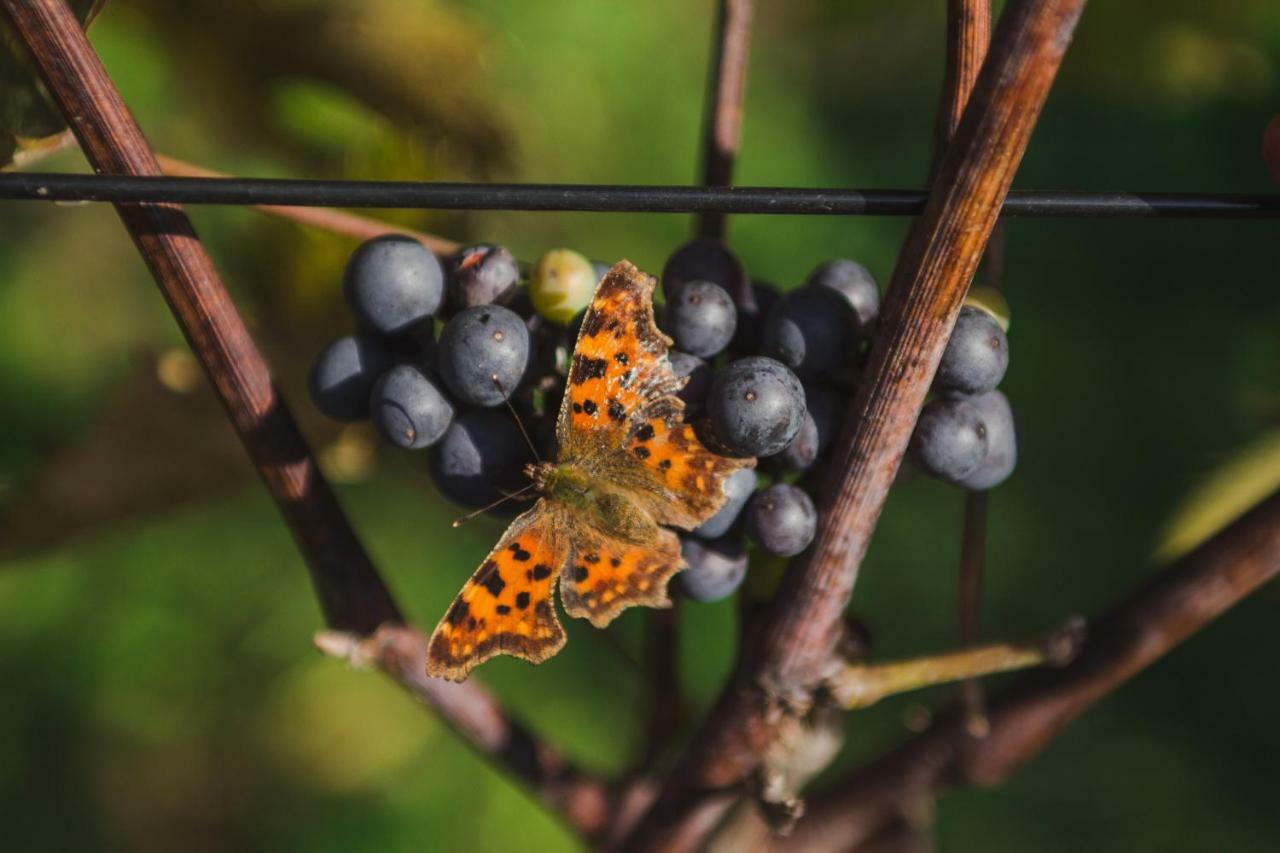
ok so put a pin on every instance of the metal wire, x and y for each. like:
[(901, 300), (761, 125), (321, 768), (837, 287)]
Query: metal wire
[(610, 199)]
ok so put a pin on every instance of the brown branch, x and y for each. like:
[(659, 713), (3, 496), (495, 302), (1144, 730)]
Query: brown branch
[(937, 261), (401, 652), (350, 591), (1135, 633), (352, 595), (726, 91), (968, 34)]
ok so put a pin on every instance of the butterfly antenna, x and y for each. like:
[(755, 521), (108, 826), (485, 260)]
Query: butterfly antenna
[(461, 520), (512, 409)]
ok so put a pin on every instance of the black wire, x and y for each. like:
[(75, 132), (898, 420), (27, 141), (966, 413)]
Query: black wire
[(603, 198)]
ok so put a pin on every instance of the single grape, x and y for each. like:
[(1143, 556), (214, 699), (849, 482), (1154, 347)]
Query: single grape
[(392, 283), (802, 452), (976, 357), (481, 275), (950, 440), (715, 569), (827, 409), (408, 409), (782, 520), (756, 406), (483, 353), (852, 281), (992, 301), (694, 392), (562, 284), (704, 259), (811, 330), (738, 488), (700, 318), (343, 374), (479, 459), (1002, 442), (753, 307)]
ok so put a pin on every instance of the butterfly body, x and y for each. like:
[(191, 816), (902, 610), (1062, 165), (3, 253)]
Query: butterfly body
[(627, 465)]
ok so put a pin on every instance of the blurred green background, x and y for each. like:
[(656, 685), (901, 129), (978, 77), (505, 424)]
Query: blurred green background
[(159, 687)]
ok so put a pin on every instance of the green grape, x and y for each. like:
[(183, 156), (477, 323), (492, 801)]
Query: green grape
[(562, 284)]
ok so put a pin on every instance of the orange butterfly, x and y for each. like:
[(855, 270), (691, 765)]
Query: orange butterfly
[(627, 464)]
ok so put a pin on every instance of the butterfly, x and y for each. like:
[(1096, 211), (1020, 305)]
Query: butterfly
[(627, 465)]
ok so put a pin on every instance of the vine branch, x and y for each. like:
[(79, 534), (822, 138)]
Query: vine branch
[(794, 645), (352, 595), (1025, 718)]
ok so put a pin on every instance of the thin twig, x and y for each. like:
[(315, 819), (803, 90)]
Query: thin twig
[(938, 259), (968, 35), (1025, 718), (353, 597), (726, 91), (323, 218)]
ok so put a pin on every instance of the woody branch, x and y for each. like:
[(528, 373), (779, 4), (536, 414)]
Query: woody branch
[(1025, 718), (797, 637), (352, 595)]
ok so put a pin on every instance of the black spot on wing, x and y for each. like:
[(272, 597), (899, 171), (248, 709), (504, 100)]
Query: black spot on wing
[(616, 411), (586, 367), (491, 579), (541, 572), (522, 600), (457, 612)]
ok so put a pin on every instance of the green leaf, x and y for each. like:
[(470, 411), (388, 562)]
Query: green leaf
[(27, 114)]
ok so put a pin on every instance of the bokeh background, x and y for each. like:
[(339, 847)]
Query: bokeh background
[(158, 684)]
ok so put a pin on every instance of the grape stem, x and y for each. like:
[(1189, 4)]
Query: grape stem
[(860, 685)]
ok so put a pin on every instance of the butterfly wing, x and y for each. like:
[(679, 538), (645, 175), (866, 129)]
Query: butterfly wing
[(506, 607), (620, 418), (606, 575)]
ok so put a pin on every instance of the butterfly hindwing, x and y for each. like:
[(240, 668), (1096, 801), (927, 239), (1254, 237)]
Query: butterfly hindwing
[(506, 607), (606, 575), (683, 482)]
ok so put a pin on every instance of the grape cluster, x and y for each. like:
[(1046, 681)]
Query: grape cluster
[(966, 434), (443, 347)]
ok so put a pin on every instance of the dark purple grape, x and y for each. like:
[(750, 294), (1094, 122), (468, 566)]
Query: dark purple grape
[(756, 406), (694, 393), (700, 318), (715, 569), (950, 439), (480, 458), (704, 259), (483, 353), (976, 356), (852, 281), (811, 330), (827, 409), (342, 375), (392, 284), (1002, 442), (408, 409), (738, 488), (782, 520), (802, 452), (481, 275), (753, 307)]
